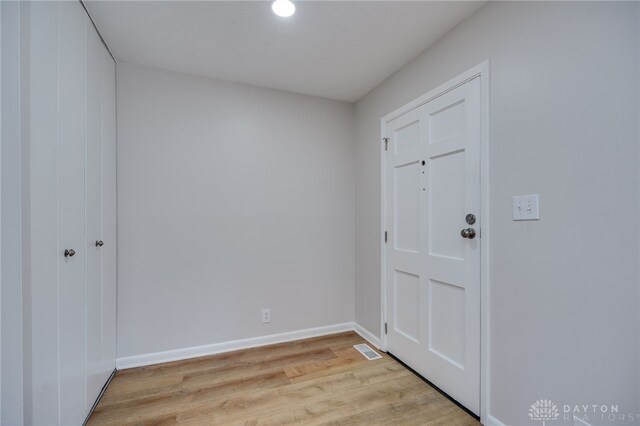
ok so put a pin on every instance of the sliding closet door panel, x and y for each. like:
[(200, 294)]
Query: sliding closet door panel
[(94, 213), (46, 253), (109, 213), (71, 153)]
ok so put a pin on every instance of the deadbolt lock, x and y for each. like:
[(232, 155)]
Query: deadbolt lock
[(471, 219)]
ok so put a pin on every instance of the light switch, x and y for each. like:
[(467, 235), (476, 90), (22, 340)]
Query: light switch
[(526, 207)]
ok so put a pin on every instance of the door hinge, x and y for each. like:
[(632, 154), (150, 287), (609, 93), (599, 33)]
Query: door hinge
[(385, 236), (385, 328), (386, 143)]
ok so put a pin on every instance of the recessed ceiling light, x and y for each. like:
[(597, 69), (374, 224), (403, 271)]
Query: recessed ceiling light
[(284, 8)]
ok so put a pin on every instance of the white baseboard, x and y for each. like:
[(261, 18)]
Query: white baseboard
[(234, 345), (492, 421), (367, 335)]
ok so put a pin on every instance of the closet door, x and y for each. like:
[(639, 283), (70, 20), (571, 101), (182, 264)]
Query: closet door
[(45, 250), (70, 127), (108, 213), (100, 190), (55, 46), (93, 209), (71, 212)]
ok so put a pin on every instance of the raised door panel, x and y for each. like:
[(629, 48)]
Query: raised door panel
[(407, 206), (407, 305)]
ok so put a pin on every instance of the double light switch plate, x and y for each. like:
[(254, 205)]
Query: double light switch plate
[(526, 207)]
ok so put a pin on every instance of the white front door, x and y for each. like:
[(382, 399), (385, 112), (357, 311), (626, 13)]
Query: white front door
[(432, 256)]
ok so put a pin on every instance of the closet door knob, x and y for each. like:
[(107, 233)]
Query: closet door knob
[(69, 253), (99, 243)]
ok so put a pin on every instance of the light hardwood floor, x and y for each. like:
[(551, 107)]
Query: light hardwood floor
[(310, 382)]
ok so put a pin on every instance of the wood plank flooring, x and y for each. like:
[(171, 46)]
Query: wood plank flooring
[(316, 381)]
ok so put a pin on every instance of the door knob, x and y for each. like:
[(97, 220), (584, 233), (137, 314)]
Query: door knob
[(469, 233), (99, 243), (69, 252)]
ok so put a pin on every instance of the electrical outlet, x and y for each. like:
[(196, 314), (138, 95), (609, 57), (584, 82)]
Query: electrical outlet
[(266, 316)]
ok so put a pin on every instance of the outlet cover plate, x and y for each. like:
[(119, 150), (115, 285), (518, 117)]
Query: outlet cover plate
[(526, 207)]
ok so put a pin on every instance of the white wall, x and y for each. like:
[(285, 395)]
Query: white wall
[(564, 124), (231, 199)]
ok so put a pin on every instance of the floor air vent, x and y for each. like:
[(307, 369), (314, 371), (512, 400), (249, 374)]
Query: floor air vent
[(368, 353)]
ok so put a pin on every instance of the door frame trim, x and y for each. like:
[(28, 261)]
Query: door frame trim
[(482, 71)]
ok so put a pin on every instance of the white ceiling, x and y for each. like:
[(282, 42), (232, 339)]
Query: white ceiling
[(333, 49)]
